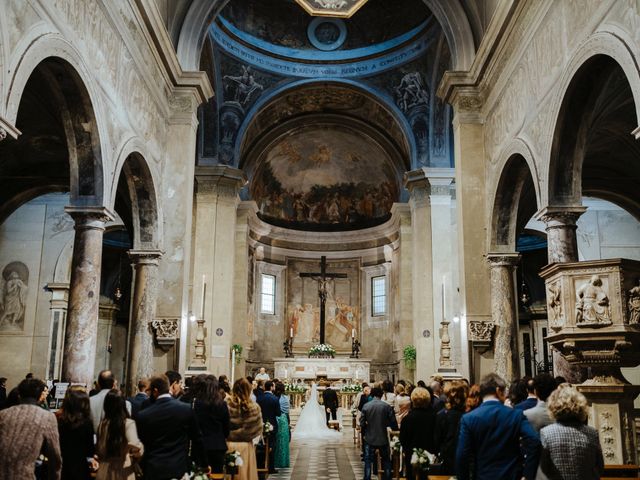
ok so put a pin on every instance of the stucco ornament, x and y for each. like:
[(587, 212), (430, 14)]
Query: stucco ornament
[(331, 8)]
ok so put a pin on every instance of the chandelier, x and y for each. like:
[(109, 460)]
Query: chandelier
[(331, 8)]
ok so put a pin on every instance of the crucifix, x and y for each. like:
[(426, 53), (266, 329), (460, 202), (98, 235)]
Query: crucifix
[(322, 278)]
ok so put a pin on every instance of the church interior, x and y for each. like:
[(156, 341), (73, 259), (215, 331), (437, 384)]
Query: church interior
[(428, 187)]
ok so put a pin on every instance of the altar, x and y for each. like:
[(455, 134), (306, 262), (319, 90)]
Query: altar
[(341, 368)]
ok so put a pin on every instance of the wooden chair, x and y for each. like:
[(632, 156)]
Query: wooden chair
[(620, 471), (265, 469)]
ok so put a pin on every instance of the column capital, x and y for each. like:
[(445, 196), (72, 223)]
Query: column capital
[(90, 217), (145, 257), (220, 180), (503, 259), (560, 216), (440, 180), (417, 182)]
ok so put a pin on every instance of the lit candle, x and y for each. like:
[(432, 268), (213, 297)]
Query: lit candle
[(291, 332), (353, 333), (204, 287)]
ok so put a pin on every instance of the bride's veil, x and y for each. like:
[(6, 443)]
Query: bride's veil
[(312, 421)]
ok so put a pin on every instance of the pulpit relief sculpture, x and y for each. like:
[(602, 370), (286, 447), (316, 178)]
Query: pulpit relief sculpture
[(592, 304)]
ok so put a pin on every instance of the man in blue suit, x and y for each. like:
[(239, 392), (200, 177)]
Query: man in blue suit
[(270, 406), (494, 438), (166, 427)]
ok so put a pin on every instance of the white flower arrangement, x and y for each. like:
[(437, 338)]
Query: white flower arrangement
[(395, 444), (233, 459), (420, 459), (267, 428), (294, 388), (352, 388), (322, 350)]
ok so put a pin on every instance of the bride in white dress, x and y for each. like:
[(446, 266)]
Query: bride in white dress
[(312, 423)]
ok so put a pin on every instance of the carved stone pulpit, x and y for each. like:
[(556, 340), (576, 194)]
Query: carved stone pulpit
[(593, 309)]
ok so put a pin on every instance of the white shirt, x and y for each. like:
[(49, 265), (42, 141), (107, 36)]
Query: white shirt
[(263, 376), (97, 407)]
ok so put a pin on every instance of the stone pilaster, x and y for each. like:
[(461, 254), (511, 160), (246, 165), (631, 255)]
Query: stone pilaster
[(504, 313), (471, 200), (84, 294), (214, 260), (562, 247), (143, 313), (562, 243), (424, 326)]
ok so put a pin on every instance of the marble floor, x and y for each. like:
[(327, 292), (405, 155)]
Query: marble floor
[(318, 460), (322, 460)]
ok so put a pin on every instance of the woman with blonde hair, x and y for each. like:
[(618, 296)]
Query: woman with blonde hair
[(245, 418), (401, 404), (570, 448)]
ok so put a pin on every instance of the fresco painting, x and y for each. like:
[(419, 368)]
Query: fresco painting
[(325, 179), (303, 305)]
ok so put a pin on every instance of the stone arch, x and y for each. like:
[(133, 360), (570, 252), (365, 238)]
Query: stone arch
[(450, 15), (563, 171), (384, 102), (141, 186), (73, 89), (516, 197)]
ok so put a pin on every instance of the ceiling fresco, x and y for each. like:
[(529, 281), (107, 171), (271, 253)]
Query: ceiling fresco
[(325, 177)]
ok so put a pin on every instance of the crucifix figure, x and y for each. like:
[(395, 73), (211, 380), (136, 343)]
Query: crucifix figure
[(322, 277)]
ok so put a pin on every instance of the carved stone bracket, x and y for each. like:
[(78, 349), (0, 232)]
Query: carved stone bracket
[(481, 334), (166, 330)]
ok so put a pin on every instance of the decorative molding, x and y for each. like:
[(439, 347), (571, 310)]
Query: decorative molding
[(166, 330), (8, 130)]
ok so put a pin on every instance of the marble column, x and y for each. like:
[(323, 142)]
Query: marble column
[(84, 294), (143, 312), (504, 312), (216, 200), (562, 244), (424, 326), (562, 247)]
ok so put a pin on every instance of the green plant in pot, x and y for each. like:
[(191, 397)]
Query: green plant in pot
[(409, 357)]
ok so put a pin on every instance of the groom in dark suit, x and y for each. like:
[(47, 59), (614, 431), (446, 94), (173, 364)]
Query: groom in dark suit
[(330, 400)]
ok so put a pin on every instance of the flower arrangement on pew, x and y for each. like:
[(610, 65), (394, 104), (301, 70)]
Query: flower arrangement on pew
[(232, 460)]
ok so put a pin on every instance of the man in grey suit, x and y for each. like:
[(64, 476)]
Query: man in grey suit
[(538, 416), (376, 417)]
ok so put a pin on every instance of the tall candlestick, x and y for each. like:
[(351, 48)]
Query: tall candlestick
[(202, 299), (353, 333), (443, 299)]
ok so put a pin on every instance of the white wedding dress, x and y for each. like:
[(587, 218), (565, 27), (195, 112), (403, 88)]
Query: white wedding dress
[(312, 423)]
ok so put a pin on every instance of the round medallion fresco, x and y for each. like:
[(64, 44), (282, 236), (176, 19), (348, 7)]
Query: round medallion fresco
[(325, 178), (327, 33)]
